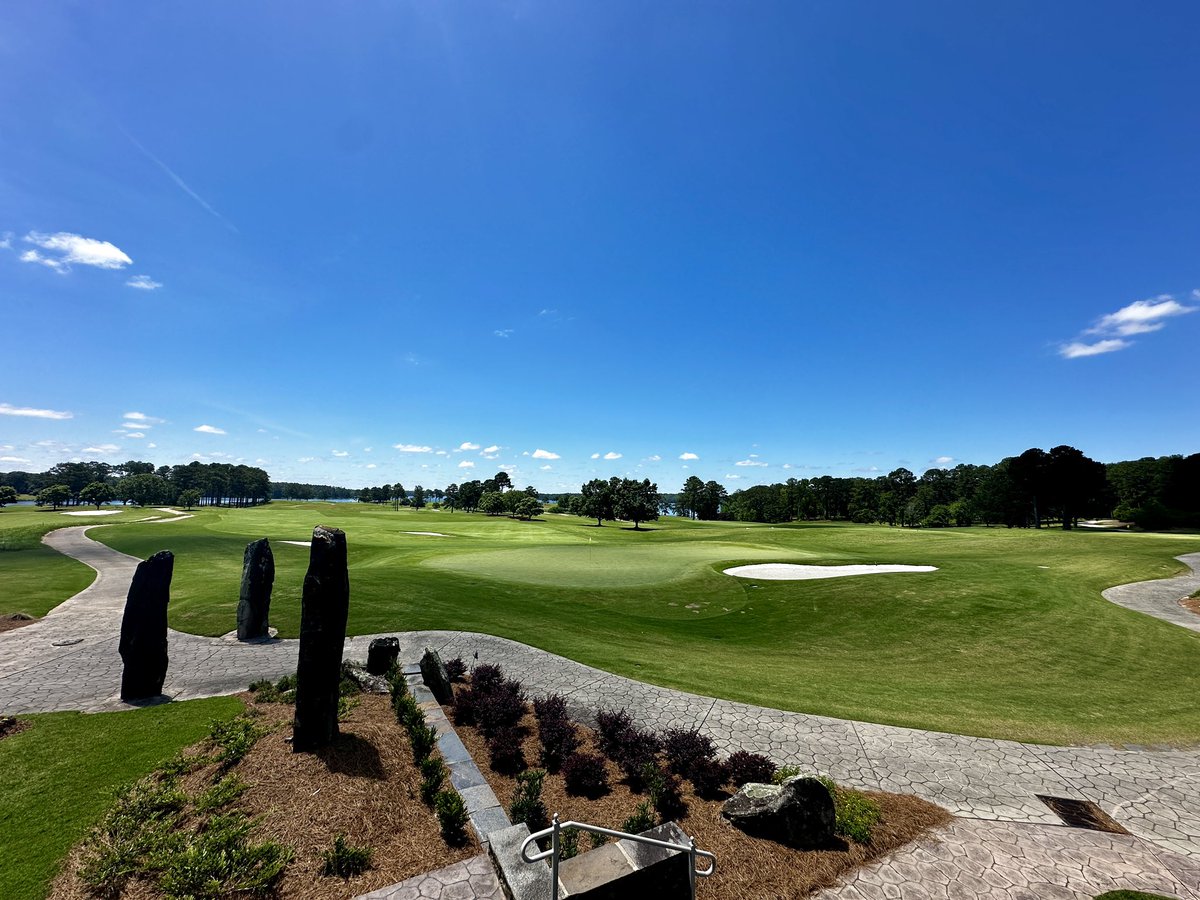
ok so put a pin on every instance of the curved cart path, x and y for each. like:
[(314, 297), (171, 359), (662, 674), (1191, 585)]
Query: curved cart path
[(1004, 832), (1161, 598)]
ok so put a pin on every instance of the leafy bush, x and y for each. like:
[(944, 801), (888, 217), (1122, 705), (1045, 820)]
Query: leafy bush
[(264, 691), (856, 814), (486, 676), (783, 773), (559, 741), (527, 805), (220, 862), (584, 775), (708, 776), (550, 707), (666, 794), (505, 751), (744, 768), (433, 774), (285, 684), (142, 821), (686, 749), (232, 738), (408, 713), (423, 739), (598, 839), (181, 764), (456, 669), (641, 820), (612, 726), (499, 706), (452, 817), (398, 689), (220, 794), (464, 707), (344, 860), (568, 843), (637, 752)]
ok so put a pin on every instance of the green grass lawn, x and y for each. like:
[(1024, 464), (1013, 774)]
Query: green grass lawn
[(60, 774), (36, 578), (1010, 638)]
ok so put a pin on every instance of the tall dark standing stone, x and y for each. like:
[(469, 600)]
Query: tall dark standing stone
[(254, 601), (323, 609), (382, 654), (143, 644), (433, 673)]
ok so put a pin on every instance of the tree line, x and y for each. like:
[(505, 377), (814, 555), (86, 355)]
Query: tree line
[(194, 484), (615, 499)]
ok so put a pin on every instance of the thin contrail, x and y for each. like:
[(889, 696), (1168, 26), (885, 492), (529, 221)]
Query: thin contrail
[(180, 182)]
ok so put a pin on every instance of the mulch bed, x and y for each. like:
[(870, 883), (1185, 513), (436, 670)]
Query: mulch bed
[(365, 788), (1191, 604), (10, 725), (10, 621), (747, 867)]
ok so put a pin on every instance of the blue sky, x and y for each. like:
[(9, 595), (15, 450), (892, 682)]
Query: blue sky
[(376, 241)]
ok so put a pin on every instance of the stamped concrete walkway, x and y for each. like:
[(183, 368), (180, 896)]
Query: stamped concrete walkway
[(1016, 845)]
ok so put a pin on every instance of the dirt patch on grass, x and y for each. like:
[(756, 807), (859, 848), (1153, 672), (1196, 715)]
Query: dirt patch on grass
[(746, 866), (10, 725), (366, 788), (1191, 604), (15, 620)]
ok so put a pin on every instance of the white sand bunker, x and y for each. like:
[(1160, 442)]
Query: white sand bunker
[(426, 533), (93, 512), (296, 543), (791, 572)]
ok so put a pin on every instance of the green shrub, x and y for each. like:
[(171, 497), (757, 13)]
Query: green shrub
[(641, 820), (181, 764), (220, 794), (345, 704), (285, 684), (219, 861), (141, 823), (264, 691), (527, 805), (423, 739), (344, 860), (855, 813), (598, 839), (783, 773), (232, 738), (452, 817), (433, 774), (568, 843), (408, 713)]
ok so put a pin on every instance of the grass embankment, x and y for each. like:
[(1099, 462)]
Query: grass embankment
[(1010, 638), (60, 774)]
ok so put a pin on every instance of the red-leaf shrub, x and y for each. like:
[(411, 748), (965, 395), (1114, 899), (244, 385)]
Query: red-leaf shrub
[(584, 775), (745, 767)]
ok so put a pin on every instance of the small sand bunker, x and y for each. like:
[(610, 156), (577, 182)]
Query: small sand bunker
[(426, 533), (792, 572), (93, 512), (296, 543)]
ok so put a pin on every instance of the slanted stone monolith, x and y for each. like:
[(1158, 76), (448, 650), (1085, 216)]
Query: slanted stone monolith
[(798, 813), (323, 609), (433, 673), (143, 645), (382, 654), (254, 601)]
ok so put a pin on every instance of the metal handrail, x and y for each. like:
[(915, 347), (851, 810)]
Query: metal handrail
[(555, 848)]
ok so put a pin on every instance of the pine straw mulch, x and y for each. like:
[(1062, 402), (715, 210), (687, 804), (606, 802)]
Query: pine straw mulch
[(747, 868), (10, 621), (1191, 604), (365, 788)]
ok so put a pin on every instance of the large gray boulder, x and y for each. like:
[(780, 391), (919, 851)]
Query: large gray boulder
[(254, 600), (324, 607), (433, 673), (143, 645), (798, 813)]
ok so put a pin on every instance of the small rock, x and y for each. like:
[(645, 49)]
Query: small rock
[(798, 813)]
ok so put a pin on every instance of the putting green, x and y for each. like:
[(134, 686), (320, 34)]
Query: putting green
[(603, 565)]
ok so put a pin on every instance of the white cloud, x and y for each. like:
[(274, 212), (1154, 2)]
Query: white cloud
[(73, 248), (367, 449), (466, 464), (101, 450), (1075, 350), (412, 448), (733, 477), (32, 256), (208, 429), (546, 468), (1141, 316), (942, 460), (492, 449), (503, 332), (6, 240), (306, 459), (654, 458), (688, 456), (146, 420), (135, 426), (143, 283), (12, 459), (544, 454), (490, 455), (595, 456), (262, 431), (787, 465), (134, 434), (467, 445), (749, 462), (152, 446), (7, 410), (340, 454), (442, 453), (612, 454), (372, 466)]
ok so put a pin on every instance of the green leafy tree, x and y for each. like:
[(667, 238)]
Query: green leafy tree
[(597, 499), (492, 504), (189, 498), (418, 497), (637, 501), (97, 493), (690, 497), (54, 496), (144, 490), (450, 497), (8, 494), (528, 508), (503, 482)]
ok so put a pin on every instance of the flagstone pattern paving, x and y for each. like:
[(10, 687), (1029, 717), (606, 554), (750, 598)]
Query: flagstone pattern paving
[(990, 783)]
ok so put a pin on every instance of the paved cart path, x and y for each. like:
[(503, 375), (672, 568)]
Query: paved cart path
[(69, 660)]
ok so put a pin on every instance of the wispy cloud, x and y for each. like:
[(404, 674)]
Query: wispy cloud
[(466, 464), (180, 183), (73, 249), (144, 420), (503, 332), (100, 450), (467, 445), (1076, 349), (546, 467), (6, 240), (209, 429), (306, 459), (688, 456), (544, 454), (412, 448), (340, 454), (492, 449), (143, 283), (942, 460), (133, 434), (612, 454), (595, 456), (1139, 317), (14, 459), (752, 461), (654, 457), (7, 410)]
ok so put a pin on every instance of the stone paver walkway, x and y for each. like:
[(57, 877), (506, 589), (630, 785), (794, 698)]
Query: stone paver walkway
[(1156, 795), (472, 879), (1161, 598)]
